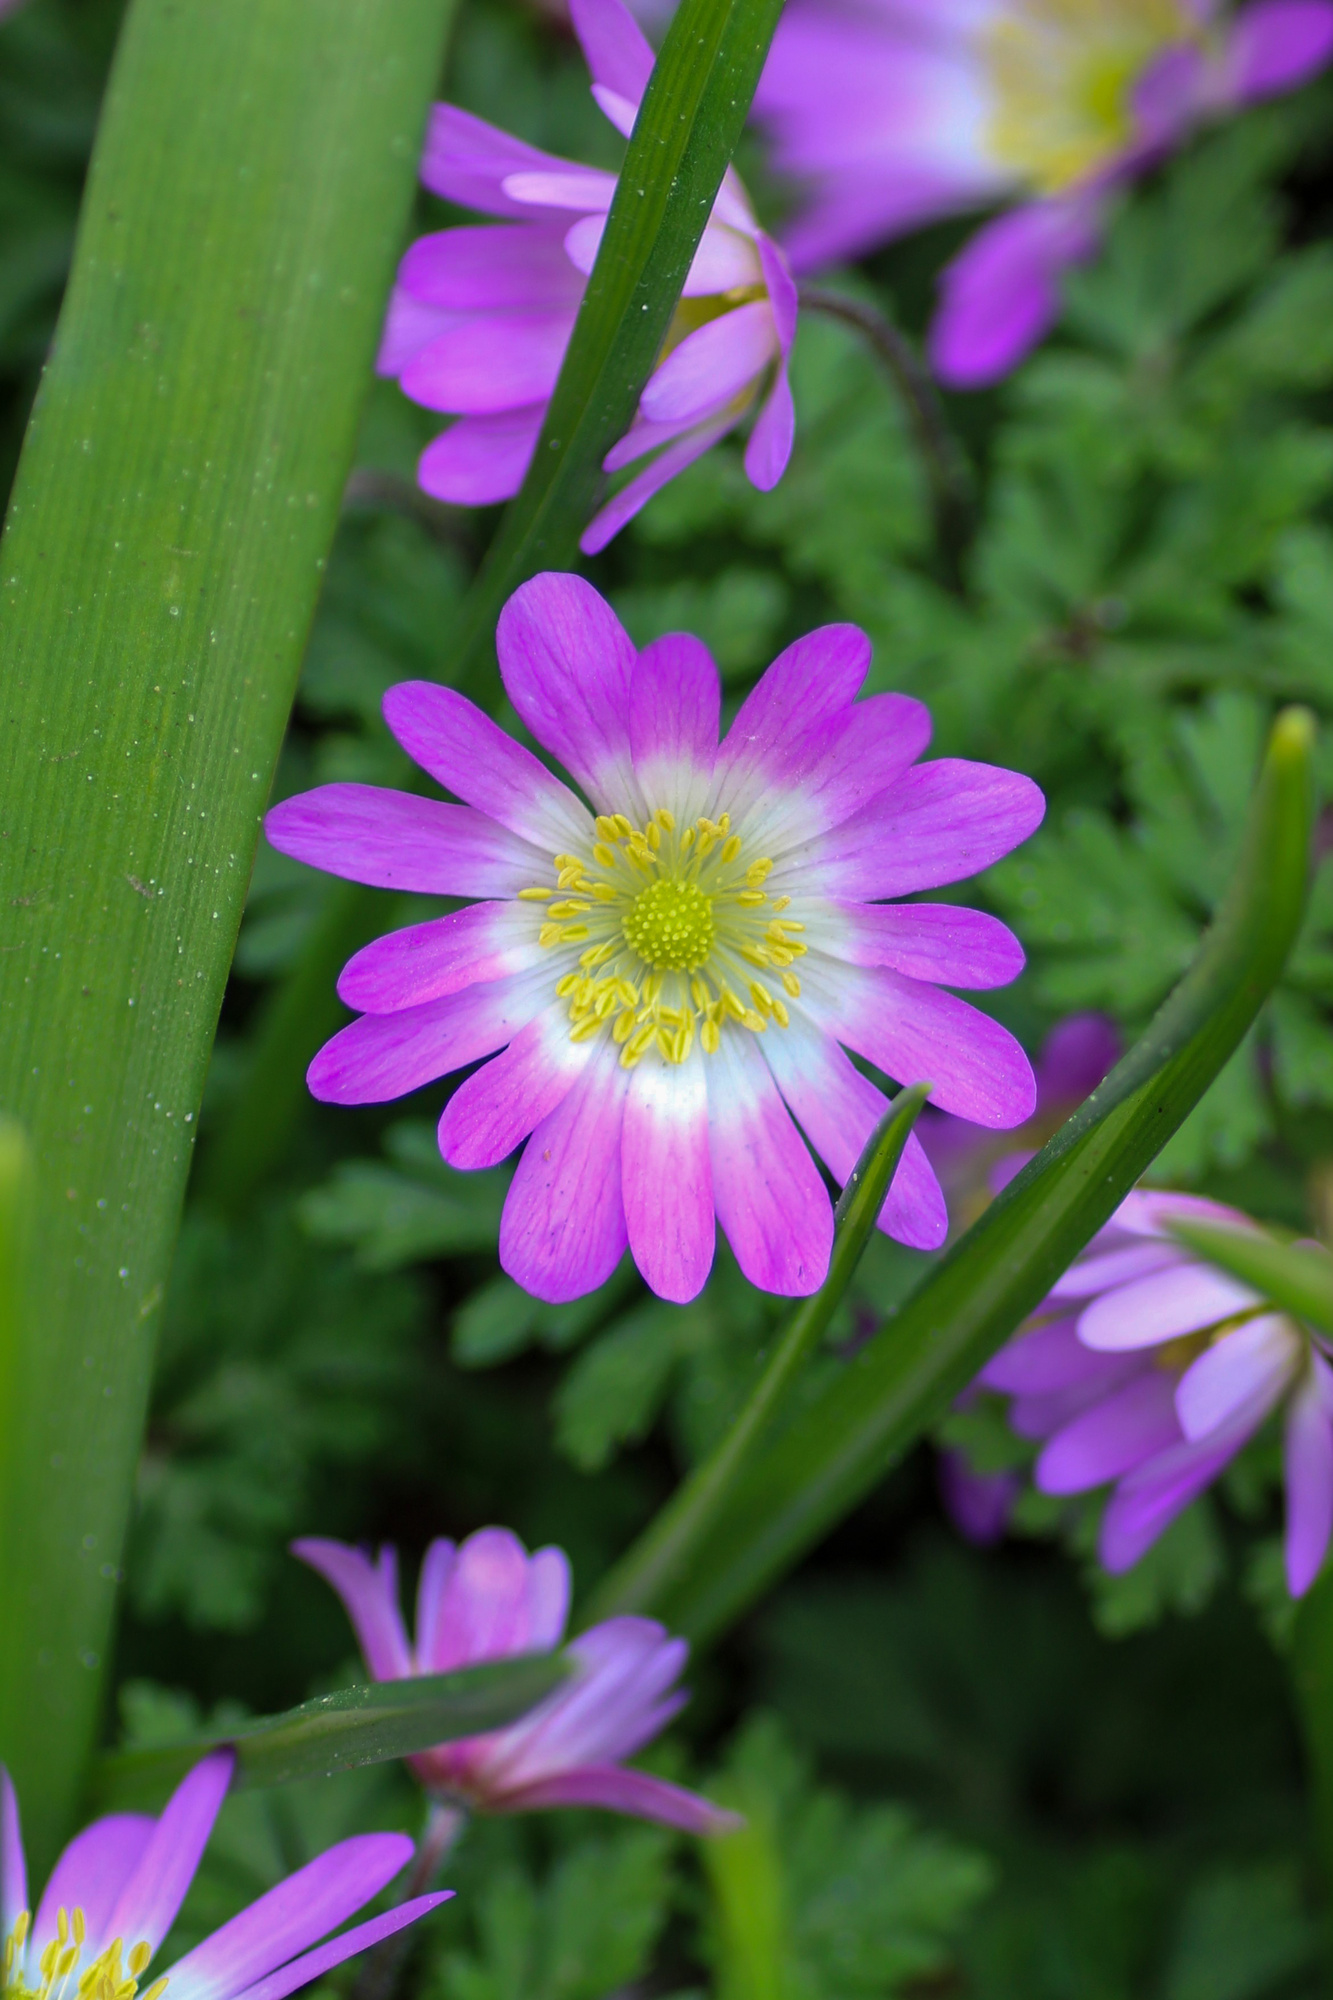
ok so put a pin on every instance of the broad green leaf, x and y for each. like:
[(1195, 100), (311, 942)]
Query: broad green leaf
[(839, 1447), (668, 1552), (336, 1732), (1296, 1276), (15, 1205), (173, 509)]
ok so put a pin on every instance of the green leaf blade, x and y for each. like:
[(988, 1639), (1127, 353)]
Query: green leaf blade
[(1296, 1276)]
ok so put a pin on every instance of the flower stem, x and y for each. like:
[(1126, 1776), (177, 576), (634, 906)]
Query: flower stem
[(443, 1829), (946, 468), (664, 1553)]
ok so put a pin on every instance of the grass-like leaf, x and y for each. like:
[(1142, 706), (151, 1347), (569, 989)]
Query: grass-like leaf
[(835, 1451), (1296, 1276), (336, 1732)]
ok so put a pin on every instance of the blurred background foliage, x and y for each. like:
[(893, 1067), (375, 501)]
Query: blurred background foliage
[(972, 1773)]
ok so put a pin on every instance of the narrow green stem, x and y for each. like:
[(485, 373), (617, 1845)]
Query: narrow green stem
[(665, 1551), (947, 471), (1312, 1673)]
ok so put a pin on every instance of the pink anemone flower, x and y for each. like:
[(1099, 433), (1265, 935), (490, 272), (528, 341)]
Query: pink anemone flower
[(1149, 1367), (486, 1600), (480, 317), (893, 113), (672, 971), (115, 1891)]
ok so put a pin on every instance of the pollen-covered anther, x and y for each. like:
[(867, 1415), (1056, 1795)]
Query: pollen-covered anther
[(670, 925)]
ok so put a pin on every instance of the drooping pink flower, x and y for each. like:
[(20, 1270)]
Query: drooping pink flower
[(115, 1891), (672, 973), (893, 113), (1149, 1367), (487, 1599), (481, 317)]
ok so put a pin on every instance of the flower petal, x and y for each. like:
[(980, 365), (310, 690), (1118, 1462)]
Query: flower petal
[(940, 942), (1309, 1478), (13, 1868), (498, 1600), (667, 1177), (711, 366), (499, 269), (978, 1503), (788, 723), (1184, 1298), (1148, 1500), (675, 703), (314, 1964), (493, 1111), (637, 492), (866, 752), (422, 962), (621, 1698), (409, 328), (1075, 1056), (631, 1792), (837, 1109), (771, 440), (1002, 292), (92, 1874), (394, 841), (147, 1905), (570, 187), (727, 260), (1118, 1433), (1276, 45), (917, 1034), (1091, 1274), (566, 662), (369, 1592), (383, 1056), (496, 362), (563, 1228), (480, 460), (769, 1197), (944, 821), (1250, 1366), (614, 46), (437, 1566), (479, 762), (300, 1910), (467, 161), (1049, 1357)]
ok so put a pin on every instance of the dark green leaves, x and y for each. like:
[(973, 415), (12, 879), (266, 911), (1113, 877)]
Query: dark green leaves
[(358, 1725), (836, 1450)]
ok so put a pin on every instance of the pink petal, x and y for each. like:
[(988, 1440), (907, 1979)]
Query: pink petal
[(634, 496), (769, 1197), (481, 460), (437, 1566), (641, 438), (394, 841), (467, 161), (482, 765), (1049, 1357), (301, 1909), (1001, 294), (1076, 1055), (369, 1592), (1145, 1503), (149, 1901), (303, 1971), (1249, 1367), (837, 1109), (1118, 1433), (92, 1874), (494, 270), (793, 717), (1277, 45), (944, 821), (781, 288), (498, 362), (383, 1056), (498, 1600), (409, 328), (675, 703), (771, 440), (631, 1792), (727, 260), (619, 1701), (1309, 1478), (978, 1503), (867, 751), (1091, 1274), (666, 1175), (575, 188), (494, 1110), (563, 1228), (13, 1869), (917, 1034), (711, 366), (934, 941), (424, 962), (566, 662), (1184, 1298), (614, 46)]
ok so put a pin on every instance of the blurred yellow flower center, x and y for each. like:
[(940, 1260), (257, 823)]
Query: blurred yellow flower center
[(670, 925), (110, 1976), (1062, 75), (679, 936)]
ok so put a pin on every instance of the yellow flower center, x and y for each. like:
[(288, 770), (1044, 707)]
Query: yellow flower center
[(677, 929), (108, 1977), (1062, 76)]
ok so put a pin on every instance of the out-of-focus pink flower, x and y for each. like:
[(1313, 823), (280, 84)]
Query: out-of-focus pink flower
[(480, 317), (892, 113), (487, 1599), (115, 1892), (672, 975), (978, 1503), (1149, 1367)]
